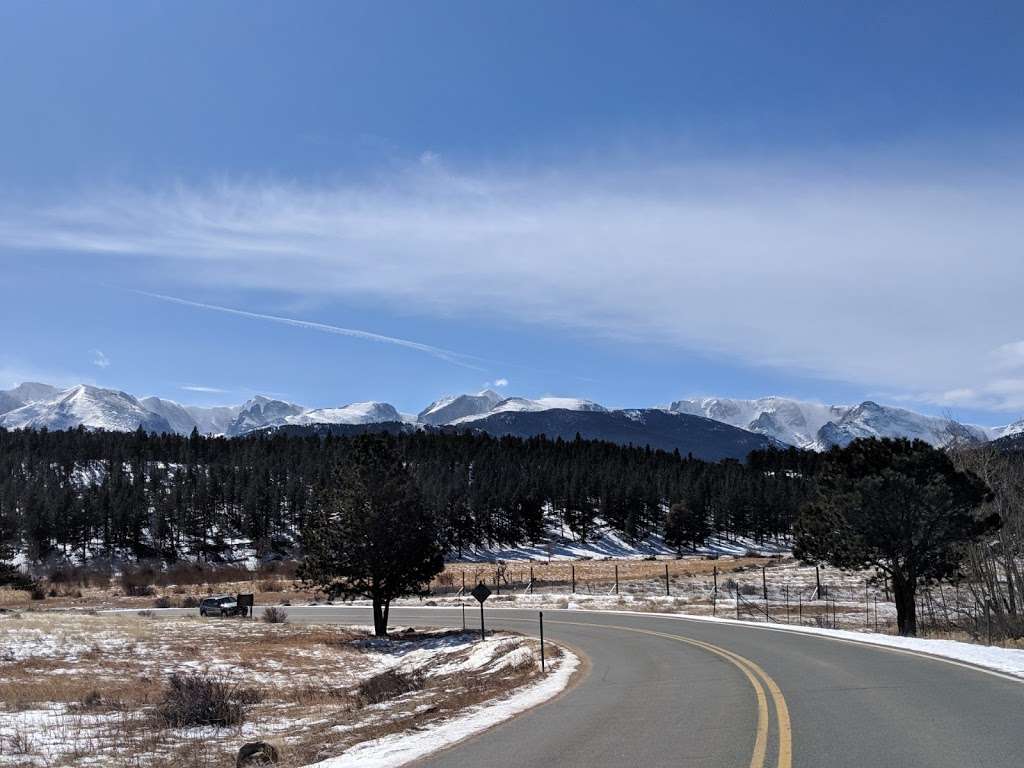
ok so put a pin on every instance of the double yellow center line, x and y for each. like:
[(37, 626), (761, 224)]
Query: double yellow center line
[(758, 679)]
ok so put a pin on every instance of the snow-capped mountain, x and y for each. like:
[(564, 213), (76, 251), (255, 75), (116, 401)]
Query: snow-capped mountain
[(524, 405), (213, 420), (354, 413), (180, 420), (793, 422), (452, 407), (818, 427), (1016, 428), (86, 406), (23, 394), (870, 419), (260, 412)]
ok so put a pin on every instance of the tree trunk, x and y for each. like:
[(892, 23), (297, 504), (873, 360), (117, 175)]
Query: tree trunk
[(380, 617), (906, 607)]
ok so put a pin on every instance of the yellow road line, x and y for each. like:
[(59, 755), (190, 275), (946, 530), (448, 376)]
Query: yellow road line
[(755, 675)]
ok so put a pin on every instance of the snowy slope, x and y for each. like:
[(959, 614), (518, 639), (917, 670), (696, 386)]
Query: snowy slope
[(354, 413), (177, 416), (87, 406), (213, 420), (524, 405), (870, 419), (23, 394), (260, 412), (794, 422), (449, 408), (1017, 428), (819, 427)]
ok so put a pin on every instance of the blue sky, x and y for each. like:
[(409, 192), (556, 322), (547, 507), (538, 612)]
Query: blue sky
[(628, 204)]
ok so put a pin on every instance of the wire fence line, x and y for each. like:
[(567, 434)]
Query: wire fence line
[(766, 594)]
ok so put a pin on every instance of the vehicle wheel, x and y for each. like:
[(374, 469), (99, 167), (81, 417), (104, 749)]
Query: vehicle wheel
[(202, 612)]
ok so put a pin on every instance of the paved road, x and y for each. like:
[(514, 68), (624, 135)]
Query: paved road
[(660, 692)]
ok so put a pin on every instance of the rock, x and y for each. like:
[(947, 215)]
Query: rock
[(257, 753)]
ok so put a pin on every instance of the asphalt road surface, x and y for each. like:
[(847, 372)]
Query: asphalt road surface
[(659, 692)]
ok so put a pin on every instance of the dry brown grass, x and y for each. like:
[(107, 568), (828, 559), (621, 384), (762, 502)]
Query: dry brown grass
[(597, 571), (107, 676)]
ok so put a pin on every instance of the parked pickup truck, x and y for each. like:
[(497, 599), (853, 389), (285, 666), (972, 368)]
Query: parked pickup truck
[(218, 605)]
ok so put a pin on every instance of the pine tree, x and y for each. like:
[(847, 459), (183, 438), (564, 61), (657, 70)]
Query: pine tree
[(371, 535), (900, 507)]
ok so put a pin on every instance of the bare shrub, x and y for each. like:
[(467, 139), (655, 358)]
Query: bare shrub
[(386, 686), (189, 602), (138, 580), (272, 615), (190, 700), (92, 575), (162, 602), (281, 569)]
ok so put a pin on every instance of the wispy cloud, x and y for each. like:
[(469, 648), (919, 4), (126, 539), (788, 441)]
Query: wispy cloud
[(496, 384), (205, 390), (99, 359), (456, 358), (886, 276)]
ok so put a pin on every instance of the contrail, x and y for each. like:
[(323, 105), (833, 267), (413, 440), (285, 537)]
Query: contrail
[(456, 358)]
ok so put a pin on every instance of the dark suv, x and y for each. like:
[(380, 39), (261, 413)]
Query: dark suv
[(218, 605)]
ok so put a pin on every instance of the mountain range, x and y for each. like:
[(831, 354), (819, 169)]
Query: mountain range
[(707, 427)]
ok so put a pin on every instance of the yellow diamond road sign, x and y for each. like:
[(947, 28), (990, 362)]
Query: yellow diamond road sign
[(481, 592)]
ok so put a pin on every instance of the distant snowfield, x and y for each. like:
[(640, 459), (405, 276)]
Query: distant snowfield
[(559, 544)]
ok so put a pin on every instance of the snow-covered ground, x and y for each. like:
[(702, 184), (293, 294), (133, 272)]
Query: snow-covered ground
[(403, 748), (77, 689), (558, 543)]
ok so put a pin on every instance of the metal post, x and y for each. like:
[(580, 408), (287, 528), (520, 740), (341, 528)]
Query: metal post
[(867, 607), (483, 633), (573, 578), (764, 591), (616, 579), (787, 604), (817, 580), (876, 613), (463, 582), (714, 594), (531, 579), (666, 580), (737, 588), (800, 607), (988, 621), (543, 668), (497, 581), (463, 614)]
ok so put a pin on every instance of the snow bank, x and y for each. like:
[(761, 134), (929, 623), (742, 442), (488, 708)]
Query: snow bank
[(403, 748)]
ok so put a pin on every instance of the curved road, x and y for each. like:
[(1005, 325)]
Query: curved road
[(659, 692)]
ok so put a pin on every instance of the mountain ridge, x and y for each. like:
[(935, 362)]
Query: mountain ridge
[(782, 421)]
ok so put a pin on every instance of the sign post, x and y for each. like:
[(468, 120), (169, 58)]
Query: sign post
[(543, 666), (481, 593)]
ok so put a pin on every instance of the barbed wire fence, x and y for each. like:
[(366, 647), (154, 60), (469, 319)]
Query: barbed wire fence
[(770, 594)]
